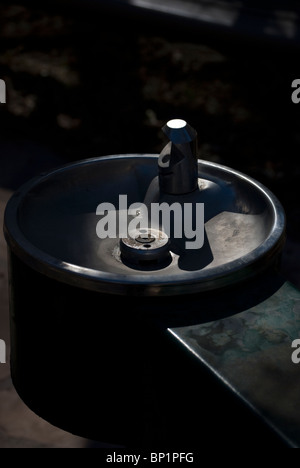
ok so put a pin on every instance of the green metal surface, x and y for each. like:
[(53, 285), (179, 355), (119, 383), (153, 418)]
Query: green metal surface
[(251, 352)]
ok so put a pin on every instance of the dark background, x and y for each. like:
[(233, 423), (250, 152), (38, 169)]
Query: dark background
[(84, 83)]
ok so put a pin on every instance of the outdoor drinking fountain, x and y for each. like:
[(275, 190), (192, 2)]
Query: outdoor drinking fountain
[(145, 296)]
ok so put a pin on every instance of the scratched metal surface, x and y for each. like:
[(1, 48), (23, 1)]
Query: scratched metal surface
[(251, 351)]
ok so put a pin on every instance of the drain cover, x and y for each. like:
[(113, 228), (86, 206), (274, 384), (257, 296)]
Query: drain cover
[(145, 246)]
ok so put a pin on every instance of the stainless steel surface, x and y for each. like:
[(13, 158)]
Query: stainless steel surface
[(51, 225)]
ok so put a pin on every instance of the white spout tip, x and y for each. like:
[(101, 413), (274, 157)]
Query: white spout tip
[(176, 123), (179, 131)]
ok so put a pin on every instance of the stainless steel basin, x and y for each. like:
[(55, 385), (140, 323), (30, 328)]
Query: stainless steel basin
[(51, 224)]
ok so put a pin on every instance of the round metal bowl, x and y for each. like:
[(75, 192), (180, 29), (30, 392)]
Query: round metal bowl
[(50, 224)]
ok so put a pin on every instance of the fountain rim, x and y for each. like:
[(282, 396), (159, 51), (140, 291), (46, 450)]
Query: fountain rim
[(198, 281)]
